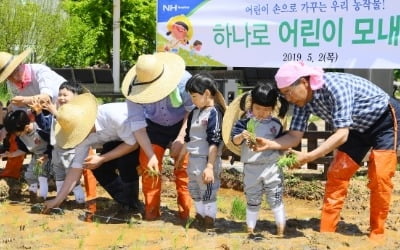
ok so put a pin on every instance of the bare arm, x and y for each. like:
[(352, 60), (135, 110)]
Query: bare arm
[(334, 141), (121, 150), (179, 141), (95, 161), (290, 139), (28, 100), (208, 173), (144, 141), (70, 181), (145, 144)]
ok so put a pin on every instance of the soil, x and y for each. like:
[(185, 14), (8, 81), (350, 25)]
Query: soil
[(22, 228)]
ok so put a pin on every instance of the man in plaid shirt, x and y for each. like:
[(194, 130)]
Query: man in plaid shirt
[(364, 118)]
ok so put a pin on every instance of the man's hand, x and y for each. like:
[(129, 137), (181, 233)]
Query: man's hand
[(49, 204), (153, 164), (176, 147), (260, 145), (301, 158), (93, 162)]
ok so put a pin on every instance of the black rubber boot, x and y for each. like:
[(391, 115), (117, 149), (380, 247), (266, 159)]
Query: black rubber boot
[(131, 195), (116, 190)]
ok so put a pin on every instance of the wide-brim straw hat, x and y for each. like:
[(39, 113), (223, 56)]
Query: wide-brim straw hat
[(75, 120), (237, 110), (9, 62), (153, 77)]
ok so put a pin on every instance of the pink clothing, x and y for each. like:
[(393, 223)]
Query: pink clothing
[(289, 72), (26, 78)]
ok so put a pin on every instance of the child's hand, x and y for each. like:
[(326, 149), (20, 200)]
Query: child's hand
[(246, 135), (42, 159), (51, 107), (208, 174), (35, 105)]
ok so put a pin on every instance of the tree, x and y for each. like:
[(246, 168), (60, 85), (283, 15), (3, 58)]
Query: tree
[(34, 24), (93, 24)]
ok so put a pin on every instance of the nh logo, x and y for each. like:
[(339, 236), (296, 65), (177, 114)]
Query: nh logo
[(170, 7)]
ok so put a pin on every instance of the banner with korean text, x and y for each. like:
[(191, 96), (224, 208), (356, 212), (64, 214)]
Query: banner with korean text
[(267, 33)]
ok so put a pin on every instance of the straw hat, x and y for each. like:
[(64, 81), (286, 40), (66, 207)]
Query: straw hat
[(153, 77), (75, 120), (219, 99), (9, 62), (237, 110)]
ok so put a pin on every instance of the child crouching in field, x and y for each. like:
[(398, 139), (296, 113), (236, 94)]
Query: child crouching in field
[(261, 173), (204, 144), (34, 139), (62, 158)]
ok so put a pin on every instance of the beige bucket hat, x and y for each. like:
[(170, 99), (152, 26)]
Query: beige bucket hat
[(153, 77), (75, 120), (9, 62)]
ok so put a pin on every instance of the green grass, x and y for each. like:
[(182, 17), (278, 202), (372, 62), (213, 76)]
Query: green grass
[(191, 59)]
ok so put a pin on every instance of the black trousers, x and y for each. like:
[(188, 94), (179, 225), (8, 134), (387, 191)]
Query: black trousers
[(124, 166)]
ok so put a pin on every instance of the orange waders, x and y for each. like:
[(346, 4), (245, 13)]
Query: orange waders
[(90, 181), (340, 171), (151, 186), (14, 164)]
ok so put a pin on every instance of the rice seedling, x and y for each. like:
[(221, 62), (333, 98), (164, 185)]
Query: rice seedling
[(38, 168), (238, 209), (287, 160), (251, 128)]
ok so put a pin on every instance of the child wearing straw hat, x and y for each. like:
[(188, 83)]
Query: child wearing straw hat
[(62, 158), (261, 172), (204, 144), (34, 139), (82, 125), (158, 106)]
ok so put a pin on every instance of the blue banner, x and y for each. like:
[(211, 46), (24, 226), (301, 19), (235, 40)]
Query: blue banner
[(170, 8)]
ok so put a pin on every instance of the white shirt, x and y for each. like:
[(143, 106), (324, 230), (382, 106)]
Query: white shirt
[(111, 125), (43, 81)]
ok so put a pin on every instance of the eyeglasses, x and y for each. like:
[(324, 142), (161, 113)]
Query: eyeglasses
[(290, 91)]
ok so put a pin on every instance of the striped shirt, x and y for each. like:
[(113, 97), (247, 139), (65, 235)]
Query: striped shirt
[(345, 100)]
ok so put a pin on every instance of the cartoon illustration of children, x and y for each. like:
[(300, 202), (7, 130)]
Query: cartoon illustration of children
[(196, 47), (181, 31)]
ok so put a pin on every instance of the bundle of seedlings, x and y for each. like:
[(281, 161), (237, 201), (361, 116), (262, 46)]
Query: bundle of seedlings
[(251, 128), (287, 160), (38, 167)]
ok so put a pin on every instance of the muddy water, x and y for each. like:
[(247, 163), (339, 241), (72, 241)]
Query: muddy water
[(20, 229)]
